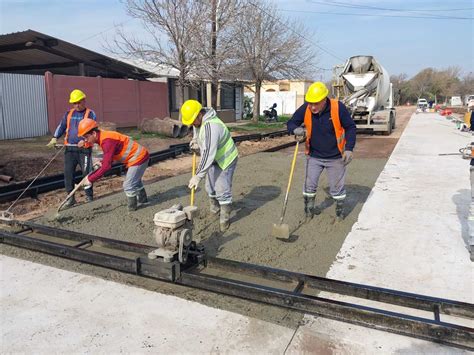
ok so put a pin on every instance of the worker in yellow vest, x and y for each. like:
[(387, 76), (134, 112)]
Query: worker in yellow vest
[(76, 153), (329, 133), (218, 157), (119, 148)]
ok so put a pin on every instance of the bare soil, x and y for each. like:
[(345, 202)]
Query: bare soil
[(259, 186)]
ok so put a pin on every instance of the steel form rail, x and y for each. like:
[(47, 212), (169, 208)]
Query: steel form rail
[(54, 182), (292, 296)]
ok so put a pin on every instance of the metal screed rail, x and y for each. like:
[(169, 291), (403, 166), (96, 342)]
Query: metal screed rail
[(416, 316)]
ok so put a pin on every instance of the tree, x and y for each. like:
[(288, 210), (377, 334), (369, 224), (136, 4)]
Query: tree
[(398, 82), (270, 47), (174, 26), (216, 51), (467, 84)]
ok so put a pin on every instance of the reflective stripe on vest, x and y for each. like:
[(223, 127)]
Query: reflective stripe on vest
[(131, 152), (68, 123), (226, 149), (336, 121)]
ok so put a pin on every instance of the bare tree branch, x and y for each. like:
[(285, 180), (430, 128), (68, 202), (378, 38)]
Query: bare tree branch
[(267, 49)]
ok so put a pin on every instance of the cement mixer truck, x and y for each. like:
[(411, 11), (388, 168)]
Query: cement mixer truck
[(364, 87)]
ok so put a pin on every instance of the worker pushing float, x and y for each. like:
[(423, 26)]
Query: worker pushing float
[(121, 148), (219, 157), (329, 134)]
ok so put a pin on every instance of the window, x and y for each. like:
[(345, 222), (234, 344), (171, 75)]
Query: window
[(227, 96)]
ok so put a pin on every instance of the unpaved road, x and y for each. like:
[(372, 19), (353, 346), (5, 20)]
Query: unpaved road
[(259, 187)]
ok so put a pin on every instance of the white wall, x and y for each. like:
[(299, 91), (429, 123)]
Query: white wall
[(285, 100)]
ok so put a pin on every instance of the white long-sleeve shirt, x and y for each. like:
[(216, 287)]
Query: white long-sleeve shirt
[(208, 142)]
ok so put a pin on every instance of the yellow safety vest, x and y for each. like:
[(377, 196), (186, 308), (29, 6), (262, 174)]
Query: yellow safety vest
[(226, 149)]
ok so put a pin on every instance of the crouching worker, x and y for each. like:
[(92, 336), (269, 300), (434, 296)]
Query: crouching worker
[(121, 148), (218, 157)]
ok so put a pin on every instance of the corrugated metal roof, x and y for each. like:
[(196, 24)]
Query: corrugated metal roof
[(32, 52)]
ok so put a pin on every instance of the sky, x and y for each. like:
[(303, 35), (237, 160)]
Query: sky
[(404, 36)]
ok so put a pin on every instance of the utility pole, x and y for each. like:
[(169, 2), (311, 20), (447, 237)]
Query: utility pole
[(214, 81)]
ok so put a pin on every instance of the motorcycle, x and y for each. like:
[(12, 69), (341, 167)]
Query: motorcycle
[(270, 114)]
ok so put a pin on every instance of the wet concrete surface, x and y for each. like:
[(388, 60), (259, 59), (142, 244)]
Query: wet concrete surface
[(259, 187)]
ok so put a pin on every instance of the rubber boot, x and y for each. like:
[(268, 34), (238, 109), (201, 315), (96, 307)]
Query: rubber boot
[(71, 201), (340, 209), (214, 205), (132, 203), (89, 195), (142, 197), (309, 206), (224, 221)]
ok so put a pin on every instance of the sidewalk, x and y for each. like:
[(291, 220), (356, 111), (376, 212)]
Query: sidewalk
[(411, 235)]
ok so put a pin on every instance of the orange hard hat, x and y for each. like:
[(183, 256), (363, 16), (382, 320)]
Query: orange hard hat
[(85, 126)]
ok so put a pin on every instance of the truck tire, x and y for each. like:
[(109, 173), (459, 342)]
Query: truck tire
[(393, 121), (389, 127)]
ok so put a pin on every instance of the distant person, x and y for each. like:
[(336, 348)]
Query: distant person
[(121, 148), (219, 157), (76, 153), (430, 104), (329, 134), (471, 238)]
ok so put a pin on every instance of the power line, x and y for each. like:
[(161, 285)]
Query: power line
[(368, 7), (299, 34), (341, 3), (106, 30), (373, 15)]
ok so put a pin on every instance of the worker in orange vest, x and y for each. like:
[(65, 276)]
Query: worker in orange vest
[(120, 148), (329, 134), (76, 153)]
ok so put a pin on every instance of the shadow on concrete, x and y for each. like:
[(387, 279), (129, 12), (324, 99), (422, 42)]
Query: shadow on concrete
[(259, 196), (462, 200), (175, 192), (215, 243), (356, 194)]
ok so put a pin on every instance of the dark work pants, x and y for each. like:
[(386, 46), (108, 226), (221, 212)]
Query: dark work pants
[(73, 157)]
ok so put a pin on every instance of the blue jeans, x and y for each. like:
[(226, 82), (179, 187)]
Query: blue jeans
[(133, 180)]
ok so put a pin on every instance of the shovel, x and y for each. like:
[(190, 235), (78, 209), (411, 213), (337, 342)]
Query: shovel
[(71, 193), (94, 168), (282, 230), (191, 210), (193, 173)]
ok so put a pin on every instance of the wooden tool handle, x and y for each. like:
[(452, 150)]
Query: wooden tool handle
[(193, 173)]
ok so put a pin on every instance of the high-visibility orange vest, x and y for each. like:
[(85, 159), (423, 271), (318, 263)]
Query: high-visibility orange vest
[(131, 152), (68, 122), (336, 121)]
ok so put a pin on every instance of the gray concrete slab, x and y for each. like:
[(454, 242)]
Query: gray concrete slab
[(48, 310), (411, 235)]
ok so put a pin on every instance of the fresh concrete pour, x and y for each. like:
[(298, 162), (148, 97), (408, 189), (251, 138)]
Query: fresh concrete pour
[(259, 187)]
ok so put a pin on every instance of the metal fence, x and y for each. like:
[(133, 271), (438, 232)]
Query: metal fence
[(23, 110)]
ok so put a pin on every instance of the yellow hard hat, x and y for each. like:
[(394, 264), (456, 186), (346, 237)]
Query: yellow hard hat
[(316, 92), (189, 111), (76, 96)]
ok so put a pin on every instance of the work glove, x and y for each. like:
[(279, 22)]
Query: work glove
[(96, 163), (194, 146), (300, 134), (86, 183), (194, 182), (52, 142), (347, 157)]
